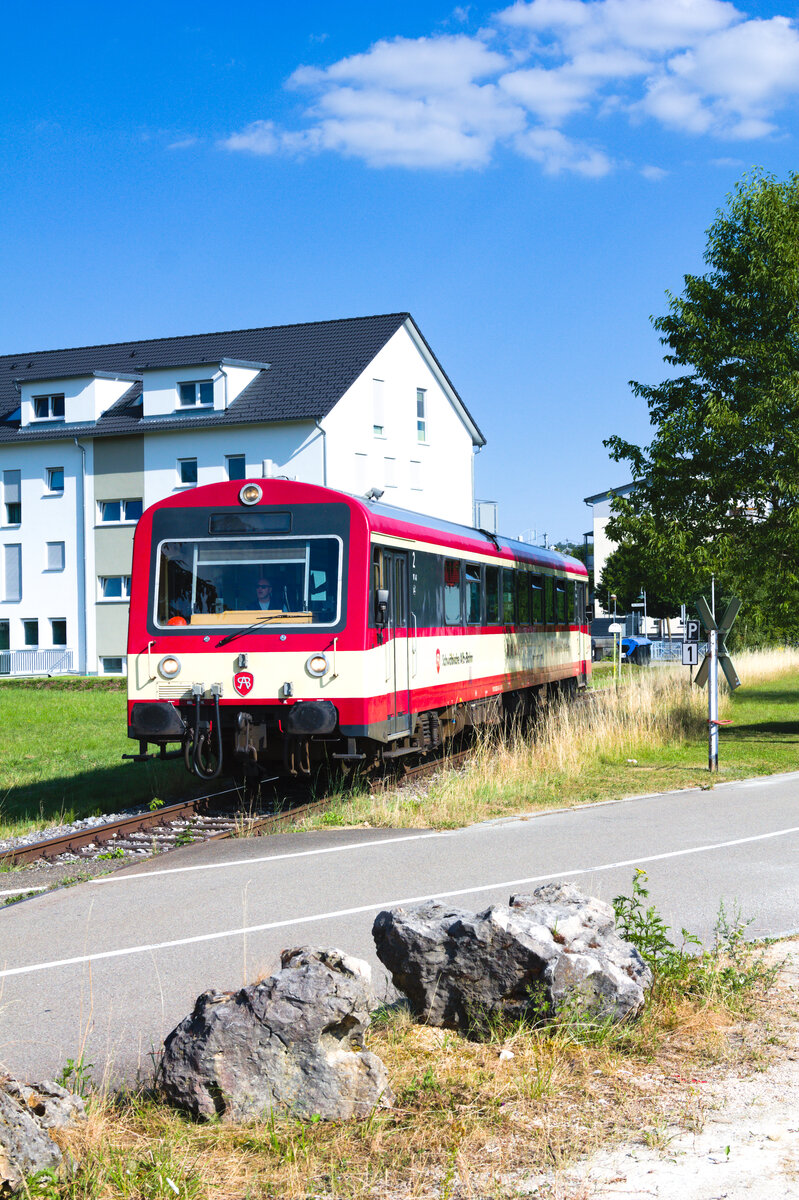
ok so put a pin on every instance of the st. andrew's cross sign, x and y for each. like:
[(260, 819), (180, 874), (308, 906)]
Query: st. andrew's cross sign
[(709, 670), (721, 630)]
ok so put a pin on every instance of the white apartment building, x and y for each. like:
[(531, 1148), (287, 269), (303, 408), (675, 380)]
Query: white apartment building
[(91, 436)]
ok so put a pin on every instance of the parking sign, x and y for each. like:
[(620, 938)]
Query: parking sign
[(692, 628)]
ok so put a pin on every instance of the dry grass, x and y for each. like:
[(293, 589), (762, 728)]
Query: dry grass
[(471, 1118), (647, 733)]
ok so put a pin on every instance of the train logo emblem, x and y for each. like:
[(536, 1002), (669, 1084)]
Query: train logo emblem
[(438, 661), (243, 682)]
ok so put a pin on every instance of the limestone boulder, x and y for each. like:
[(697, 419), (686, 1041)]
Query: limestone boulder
[(292, 1043), (27, 1113), (552, 950)]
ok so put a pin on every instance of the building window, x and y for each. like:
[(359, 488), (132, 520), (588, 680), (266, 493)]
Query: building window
[(187, 471), (55, 480), (55, 556), (12, 572), (120, 511), (30, 633), (196, 395), (416, 476), (112, 666), (58, 629), (390, 472), (236, 466), (48, 408), (114, 587), (378, 409), (421, 415), (12, 497)]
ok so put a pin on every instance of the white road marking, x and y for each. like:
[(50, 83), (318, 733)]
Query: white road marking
[(362, 908), (22, 891), (249, 862)]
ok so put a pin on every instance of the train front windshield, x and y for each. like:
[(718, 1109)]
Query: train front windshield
[(208, 582)]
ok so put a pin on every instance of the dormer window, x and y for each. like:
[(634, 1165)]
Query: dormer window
[(196, 395), (48, 408)]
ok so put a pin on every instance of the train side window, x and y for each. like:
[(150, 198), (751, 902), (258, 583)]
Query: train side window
[(571, 589), (549, 600), (508, 597), (537, 600), (452, 591), (492, 595), (377, 581), (473, 581), (560, 602), (523, 597)]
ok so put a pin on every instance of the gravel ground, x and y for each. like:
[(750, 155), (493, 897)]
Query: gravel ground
[(747, 1148)]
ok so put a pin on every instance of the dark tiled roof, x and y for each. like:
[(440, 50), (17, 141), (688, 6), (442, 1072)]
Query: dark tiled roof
[(311, 367)]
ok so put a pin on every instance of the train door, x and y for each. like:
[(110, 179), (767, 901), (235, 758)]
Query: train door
[(398, 647)]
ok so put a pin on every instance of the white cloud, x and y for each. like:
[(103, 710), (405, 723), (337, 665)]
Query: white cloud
[(551, 94), (654, 174), (183, 144), (259, 137), (698, 67), (557, 153)]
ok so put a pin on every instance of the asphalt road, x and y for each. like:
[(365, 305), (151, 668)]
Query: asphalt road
[(106, 969)]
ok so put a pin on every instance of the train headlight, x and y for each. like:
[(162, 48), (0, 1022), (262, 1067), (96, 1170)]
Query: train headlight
[(317, 665), (169, 667), (250, 493)]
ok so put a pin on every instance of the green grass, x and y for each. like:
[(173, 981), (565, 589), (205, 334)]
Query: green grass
[(63, 742)]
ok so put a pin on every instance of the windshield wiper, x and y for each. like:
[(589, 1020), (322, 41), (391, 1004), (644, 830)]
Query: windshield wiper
[(255, 625)]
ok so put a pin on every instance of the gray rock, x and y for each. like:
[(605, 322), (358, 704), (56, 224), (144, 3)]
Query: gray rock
[(293, 1042), (27, 1112), (553, 950)]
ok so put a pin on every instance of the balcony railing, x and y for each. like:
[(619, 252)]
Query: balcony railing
[(36, 662)]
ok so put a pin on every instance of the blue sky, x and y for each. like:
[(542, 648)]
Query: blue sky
[(527, 180)]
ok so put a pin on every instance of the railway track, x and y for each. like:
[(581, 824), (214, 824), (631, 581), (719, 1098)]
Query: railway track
[(175, 825)]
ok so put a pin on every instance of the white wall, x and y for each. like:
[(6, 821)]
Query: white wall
[(356, 457), (50, 518), (85, 398), (160, 390), (296, 450)]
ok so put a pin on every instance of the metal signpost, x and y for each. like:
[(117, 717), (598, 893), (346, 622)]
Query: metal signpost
[(709, 670)]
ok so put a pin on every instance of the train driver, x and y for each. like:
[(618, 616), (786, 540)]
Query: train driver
[(263, 592)]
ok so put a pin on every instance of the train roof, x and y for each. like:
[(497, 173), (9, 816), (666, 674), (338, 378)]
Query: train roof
[(384, 516)]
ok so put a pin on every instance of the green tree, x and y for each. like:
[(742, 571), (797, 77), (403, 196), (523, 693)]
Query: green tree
[(719, 483)]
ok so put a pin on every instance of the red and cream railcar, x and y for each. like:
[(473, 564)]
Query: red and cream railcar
[(282, 623)]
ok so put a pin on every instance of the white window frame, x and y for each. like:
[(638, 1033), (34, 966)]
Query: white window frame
[(378, 409), (124, 587), (49, 475), (197, 384), (25, 643), (229, 458), (390, 472), (11, 488), (123, 518), (421, 416), (114, 658), (181, 481), (58, 645), (49, 400), (416, 475)]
